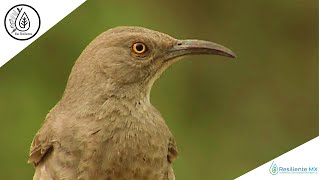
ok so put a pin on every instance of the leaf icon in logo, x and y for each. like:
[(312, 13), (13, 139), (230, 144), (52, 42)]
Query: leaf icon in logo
[(273, 169), (22, 21)]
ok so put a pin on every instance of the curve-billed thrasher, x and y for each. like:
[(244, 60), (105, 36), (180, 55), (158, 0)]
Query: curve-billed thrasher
[(105, 127)]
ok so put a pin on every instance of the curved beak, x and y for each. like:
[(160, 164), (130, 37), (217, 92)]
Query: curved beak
[(196, 47)]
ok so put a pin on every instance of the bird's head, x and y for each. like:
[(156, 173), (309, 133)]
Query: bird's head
[(135, 57)]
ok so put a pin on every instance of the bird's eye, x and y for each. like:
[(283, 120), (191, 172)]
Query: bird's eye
[(139, 48)]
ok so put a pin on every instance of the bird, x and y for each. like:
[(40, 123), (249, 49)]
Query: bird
[(104, 126)]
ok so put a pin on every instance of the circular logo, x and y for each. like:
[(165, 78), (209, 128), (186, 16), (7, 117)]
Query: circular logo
[(22, 22)]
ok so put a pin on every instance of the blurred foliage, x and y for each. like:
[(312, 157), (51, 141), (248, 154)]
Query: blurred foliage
[(228, 116)]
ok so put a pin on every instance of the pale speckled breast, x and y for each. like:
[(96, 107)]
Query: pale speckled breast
[(132, 160), (130, 146)]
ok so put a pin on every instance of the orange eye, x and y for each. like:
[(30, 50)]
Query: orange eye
[(139, 48)]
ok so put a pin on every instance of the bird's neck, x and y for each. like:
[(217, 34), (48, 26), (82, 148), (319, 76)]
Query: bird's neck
[(91, 95)]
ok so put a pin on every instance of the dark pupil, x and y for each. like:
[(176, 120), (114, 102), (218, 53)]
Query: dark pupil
[(139, 47)]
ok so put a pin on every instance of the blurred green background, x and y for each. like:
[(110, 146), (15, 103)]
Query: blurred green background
[(228, 116)]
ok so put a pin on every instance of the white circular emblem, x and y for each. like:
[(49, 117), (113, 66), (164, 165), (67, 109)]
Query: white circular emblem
[(22, 22)]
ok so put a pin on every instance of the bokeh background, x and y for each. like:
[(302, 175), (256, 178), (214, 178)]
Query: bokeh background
[(228, 116)]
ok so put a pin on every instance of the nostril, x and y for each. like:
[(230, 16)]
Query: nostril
[(179, 44)]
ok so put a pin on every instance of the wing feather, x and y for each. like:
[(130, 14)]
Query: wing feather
[(40, 146)]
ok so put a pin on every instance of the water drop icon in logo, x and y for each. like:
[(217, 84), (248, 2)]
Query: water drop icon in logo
[(273, 168), (22, 22)]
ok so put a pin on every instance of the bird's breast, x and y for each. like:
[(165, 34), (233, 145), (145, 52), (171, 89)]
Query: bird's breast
[(132, 145)]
